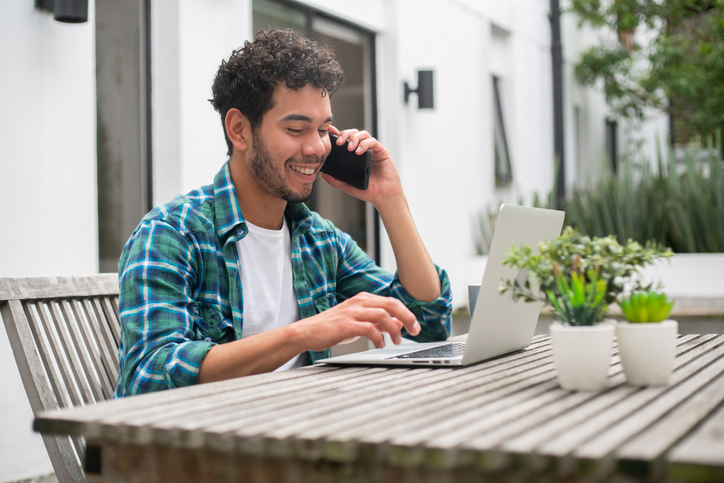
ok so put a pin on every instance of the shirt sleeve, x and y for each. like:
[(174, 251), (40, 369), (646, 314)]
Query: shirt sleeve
[(357, 272), (157, 277)]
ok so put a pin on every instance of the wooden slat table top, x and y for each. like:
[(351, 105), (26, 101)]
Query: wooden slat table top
[(500, 414)]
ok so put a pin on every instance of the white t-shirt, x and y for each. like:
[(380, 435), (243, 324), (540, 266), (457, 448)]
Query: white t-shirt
[(265, 258)]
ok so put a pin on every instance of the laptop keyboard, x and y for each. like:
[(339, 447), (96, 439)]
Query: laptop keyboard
[(445, 351)]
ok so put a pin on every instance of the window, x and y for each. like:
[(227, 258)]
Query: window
[(503, 173), (577, 151), (612, 143)]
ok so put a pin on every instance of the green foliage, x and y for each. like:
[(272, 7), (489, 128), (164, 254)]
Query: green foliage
[(680, 204), (578, 275), (580, 302), (646, 306), (679, 71)]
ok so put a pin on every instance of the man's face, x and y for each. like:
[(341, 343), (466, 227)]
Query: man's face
[(291, 143)]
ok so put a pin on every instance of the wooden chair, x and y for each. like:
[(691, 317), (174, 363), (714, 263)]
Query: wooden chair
[(64, 332)]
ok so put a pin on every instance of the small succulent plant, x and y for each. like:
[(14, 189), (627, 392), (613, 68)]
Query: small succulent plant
[(646, 306)]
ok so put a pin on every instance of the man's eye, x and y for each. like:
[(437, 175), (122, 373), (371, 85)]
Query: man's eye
[(323, 132), (294, 131)]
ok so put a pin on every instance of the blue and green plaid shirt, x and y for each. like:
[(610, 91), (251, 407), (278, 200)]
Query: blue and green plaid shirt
[(180, 284)]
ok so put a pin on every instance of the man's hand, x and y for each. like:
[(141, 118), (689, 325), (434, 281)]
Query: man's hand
[(414, 266), (384, 182), (364, 315)]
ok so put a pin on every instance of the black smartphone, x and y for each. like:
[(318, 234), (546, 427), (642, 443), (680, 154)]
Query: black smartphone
[(348, 166)]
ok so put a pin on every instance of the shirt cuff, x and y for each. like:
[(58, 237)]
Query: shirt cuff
[(434, 316), (184, 362)]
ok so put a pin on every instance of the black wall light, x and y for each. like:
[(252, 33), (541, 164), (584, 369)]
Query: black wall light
[(66, 11), (423, 91)]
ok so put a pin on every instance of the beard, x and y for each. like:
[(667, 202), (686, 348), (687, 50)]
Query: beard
[(271, 179)]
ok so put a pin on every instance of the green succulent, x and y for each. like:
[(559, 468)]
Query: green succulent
[(646, 306)]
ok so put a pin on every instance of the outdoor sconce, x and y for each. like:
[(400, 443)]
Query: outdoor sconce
[(66, 11), (423, 91)]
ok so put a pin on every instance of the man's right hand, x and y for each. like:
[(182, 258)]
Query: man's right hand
[(364, 315)]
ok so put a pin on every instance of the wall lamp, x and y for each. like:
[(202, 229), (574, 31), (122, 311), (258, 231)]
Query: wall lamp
[(423, 91), (66, 11)]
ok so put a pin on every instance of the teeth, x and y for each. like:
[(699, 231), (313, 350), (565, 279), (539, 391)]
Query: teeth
[(303, 170)]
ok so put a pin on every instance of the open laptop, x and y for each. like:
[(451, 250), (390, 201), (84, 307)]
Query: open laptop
[(499, 324)]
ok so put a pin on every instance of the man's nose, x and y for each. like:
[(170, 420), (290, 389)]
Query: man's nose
[(314, 146)]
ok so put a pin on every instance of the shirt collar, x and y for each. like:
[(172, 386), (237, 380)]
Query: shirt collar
[(226, 206), (229, 217)]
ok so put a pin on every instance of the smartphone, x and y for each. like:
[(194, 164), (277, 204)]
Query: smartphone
[(348, 166)]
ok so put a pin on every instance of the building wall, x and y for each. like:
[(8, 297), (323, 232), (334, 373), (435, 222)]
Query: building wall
[(190, 39), (445, 155), (47, 184)]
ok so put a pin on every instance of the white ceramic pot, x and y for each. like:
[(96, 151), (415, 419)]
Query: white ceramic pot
[(647, 351), (582, 355)]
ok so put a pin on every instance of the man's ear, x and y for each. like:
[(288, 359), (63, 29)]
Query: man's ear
[(238, 129)]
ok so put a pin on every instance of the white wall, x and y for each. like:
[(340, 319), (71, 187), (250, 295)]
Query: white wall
[(445, 155), (48, 148), (441, 153), (190, 40), (47, 184)]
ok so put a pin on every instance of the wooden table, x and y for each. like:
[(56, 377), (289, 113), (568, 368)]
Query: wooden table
[(506, 419)]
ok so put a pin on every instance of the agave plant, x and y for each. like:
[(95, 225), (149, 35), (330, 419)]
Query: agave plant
[(646, 306), (679, 202), (579, 302)]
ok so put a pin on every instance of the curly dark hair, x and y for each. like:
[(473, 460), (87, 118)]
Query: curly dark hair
[(247, 80)]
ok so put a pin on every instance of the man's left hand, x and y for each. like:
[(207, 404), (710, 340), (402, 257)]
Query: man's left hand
[(384, 184)]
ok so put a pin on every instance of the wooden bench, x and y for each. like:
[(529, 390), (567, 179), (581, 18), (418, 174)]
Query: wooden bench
[(64, 332)]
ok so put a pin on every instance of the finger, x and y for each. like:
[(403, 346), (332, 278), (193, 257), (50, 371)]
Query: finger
[(346, 135), (333, 130), (358, 137), (365, 145), (383, 321), (394, 308), (371, 332)]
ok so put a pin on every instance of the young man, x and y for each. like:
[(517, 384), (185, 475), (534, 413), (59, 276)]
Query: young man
[(239, 277)]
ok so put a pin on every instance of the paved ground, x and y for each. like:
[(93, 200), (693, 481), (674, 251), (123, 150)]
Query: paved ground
[(39, 479)]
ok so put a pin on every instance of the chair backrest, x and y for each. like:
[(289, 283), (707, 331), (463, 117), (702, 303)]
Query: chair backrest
[(64, 332)]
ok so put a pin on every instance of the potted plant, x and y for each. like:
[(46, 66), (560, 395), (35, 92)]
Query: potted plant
[(578, 277), (647, 341)]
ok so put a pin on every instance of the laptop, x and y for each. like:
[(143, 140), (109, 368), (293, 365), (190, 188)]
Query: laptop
[(499, 324)]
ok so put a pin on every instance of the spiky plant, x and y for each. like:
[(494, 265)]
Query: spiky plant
[(578, 302), (646, 306)]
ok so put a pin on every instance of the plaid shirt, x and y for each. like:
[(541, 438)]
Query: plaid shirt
[(180, 285)]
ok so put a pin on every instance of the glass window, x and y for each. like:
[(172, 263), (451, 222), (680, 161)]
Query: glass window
[(612, 143), (503, 172), (269, 14)]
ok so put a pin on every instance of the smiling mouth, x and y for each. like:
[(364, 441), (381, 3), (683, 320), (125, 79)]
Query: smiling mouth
[(304, 170)]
